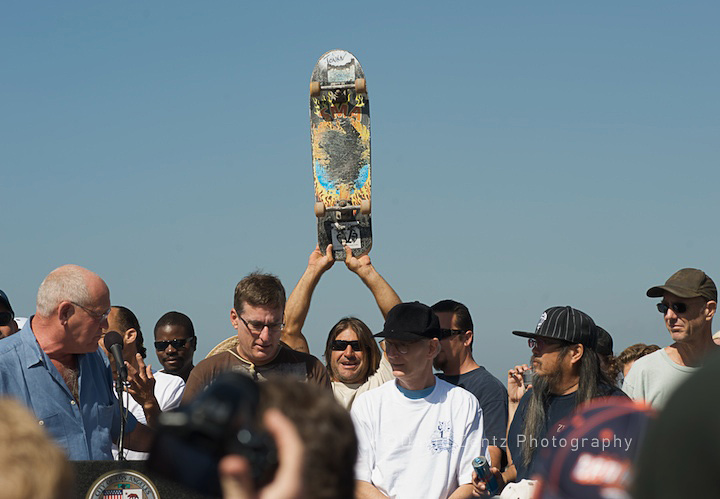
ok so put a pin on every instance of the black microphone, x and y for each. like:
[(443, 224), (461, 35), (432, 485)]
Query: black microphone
[(114, 344)]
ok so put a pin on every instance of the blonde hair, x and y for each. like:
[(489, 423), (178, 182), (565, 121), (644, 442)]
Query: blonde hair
[(31, 464)]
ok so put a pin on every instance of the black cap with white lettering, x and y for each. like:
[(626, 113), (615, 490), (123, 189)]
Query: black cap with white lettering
[(567, 324)]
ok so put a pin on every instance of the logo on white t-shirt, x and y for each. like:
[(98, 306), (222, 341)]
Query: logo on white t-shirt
[(442, 438)]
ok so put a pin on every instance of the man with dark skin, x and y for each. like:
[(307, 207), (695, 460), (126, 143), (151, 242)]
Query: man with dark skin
[(8, 325), (149, 393), (175, 344)]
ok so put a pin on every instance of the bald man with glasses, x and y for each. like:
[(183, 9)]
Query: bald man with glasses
[(688, 304), (54, 367)]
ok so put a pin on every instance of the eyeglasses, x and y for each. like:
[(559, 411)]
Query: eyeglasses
[(678, 308), (541, 343), (257, 326), (94, 315), (6, 318), (340, 345), (176, 344), (400, 346), (452, 332)]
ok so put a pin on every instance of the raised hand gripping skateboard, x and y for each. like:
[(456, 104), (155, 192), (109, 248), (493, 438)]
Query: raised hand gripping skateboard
[(340, 136)]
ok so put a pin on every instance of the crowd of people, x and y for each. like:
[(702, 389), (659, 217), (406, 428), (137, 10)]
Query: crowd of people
[(405, 417)]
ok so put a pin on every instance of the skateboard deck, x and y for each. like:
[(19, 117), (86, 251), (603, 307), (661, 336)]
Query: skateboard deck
[(340, 137)]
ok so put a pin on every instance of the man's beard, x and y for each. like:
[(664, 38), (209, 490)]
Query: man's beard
[(536, 412), (543, 385)]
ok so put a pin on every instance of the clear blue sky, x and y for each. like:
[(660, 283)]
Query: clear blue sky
[(525, 155)]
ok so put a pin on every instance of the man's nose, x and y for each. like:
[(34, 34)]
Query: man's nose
[(265, 333)]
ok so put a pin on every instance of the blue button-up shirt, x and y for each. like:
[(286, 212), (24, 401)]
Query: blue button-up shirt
[(85, 429)]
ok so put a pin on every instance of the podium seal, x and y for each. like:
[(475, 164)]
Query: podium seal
[(123, 484)]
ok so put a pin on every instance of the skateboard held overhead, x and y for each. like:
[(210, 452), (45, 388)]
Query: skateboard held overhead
[(340, 137)]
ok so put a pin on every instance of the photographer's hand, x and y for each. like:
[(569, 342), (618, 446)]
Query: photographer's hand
[(236, 474)]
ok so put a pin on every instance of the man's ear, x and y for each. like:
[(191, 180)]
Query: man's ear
[(576, 352), (234, 318), (711, 307), (467, 338), (434, 349), (64, 311), (130, 336)]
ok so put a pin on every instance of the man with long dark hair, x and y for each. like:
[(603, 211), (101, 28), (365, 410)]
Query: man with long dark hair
[(566, 373), (352, 357)]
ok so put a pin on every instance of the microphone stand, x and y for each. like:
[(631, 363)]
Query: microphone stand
[(119, 388)]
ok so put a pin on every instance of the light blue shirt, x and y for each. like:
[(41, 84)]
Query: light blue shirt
[(84, 430)]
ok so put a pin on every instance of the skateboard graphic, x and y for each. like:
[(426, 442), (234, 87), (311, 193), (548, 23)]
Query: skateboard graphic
[(340, 137)]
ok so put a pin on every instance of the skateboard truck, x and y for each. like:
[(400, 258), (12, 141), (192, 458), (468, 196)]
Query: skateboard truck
[(360, 87), (343, 210)]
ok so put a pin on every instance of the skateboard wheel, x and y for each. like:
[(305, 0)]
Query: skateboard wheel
[(365, 206), (360, 86), (319, 209), (314, 88)]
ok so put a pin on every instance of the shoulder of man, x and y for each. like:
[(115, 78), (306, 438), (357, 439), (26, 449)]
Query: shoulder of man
[(9, 344), (370, 397), (315, 369), (643, 365), (204, 372), (488, 386)]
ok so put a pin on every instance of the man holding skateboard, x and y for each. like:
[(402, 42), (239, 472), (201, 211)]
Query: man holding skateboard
[(352, 357)]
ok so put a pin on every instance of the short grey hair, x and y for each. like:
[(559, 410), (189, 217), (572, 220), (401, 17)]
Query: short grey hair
[(66, 283)]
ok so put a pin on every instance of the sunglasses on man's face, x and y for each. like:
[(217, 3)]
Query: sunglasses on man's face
[(176, 344), (6, 318), (340, 345), (678, 308), (541, 343)]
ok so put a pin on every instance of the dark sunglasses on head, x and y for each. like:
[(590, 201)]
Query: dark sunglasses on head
[(340, 345), (6, 318), (177, 344), (678, 308)]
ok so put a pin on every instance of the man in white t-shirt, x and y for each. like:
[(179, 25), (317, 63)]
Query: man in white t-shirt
[(689, 301), (417, 434), (157, 392)]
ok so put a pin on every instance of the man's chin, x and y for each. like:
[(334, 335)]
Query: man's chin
[(349, 379), (261, 355)]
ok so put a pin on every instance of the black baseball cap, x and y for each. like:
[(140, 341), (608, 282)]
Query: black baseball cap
[(4, 299), (567, 324), (687, 283), (411, 322)]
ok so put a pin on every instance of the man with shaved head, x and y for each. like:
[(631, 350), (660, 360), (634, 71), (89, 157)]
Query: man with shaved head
[(54, 367)]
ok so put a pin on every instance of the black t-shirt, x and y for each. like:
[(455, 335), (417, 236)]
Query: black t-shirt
[(492, 397), (559, 407)]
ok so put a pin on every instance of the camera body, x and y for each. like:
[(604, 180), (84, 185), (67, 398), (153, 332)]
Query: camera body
[(222, 420)]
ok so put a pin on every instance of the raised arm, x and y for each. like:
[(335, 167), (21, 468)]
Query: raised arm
[(298, 304), (384, 294)]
